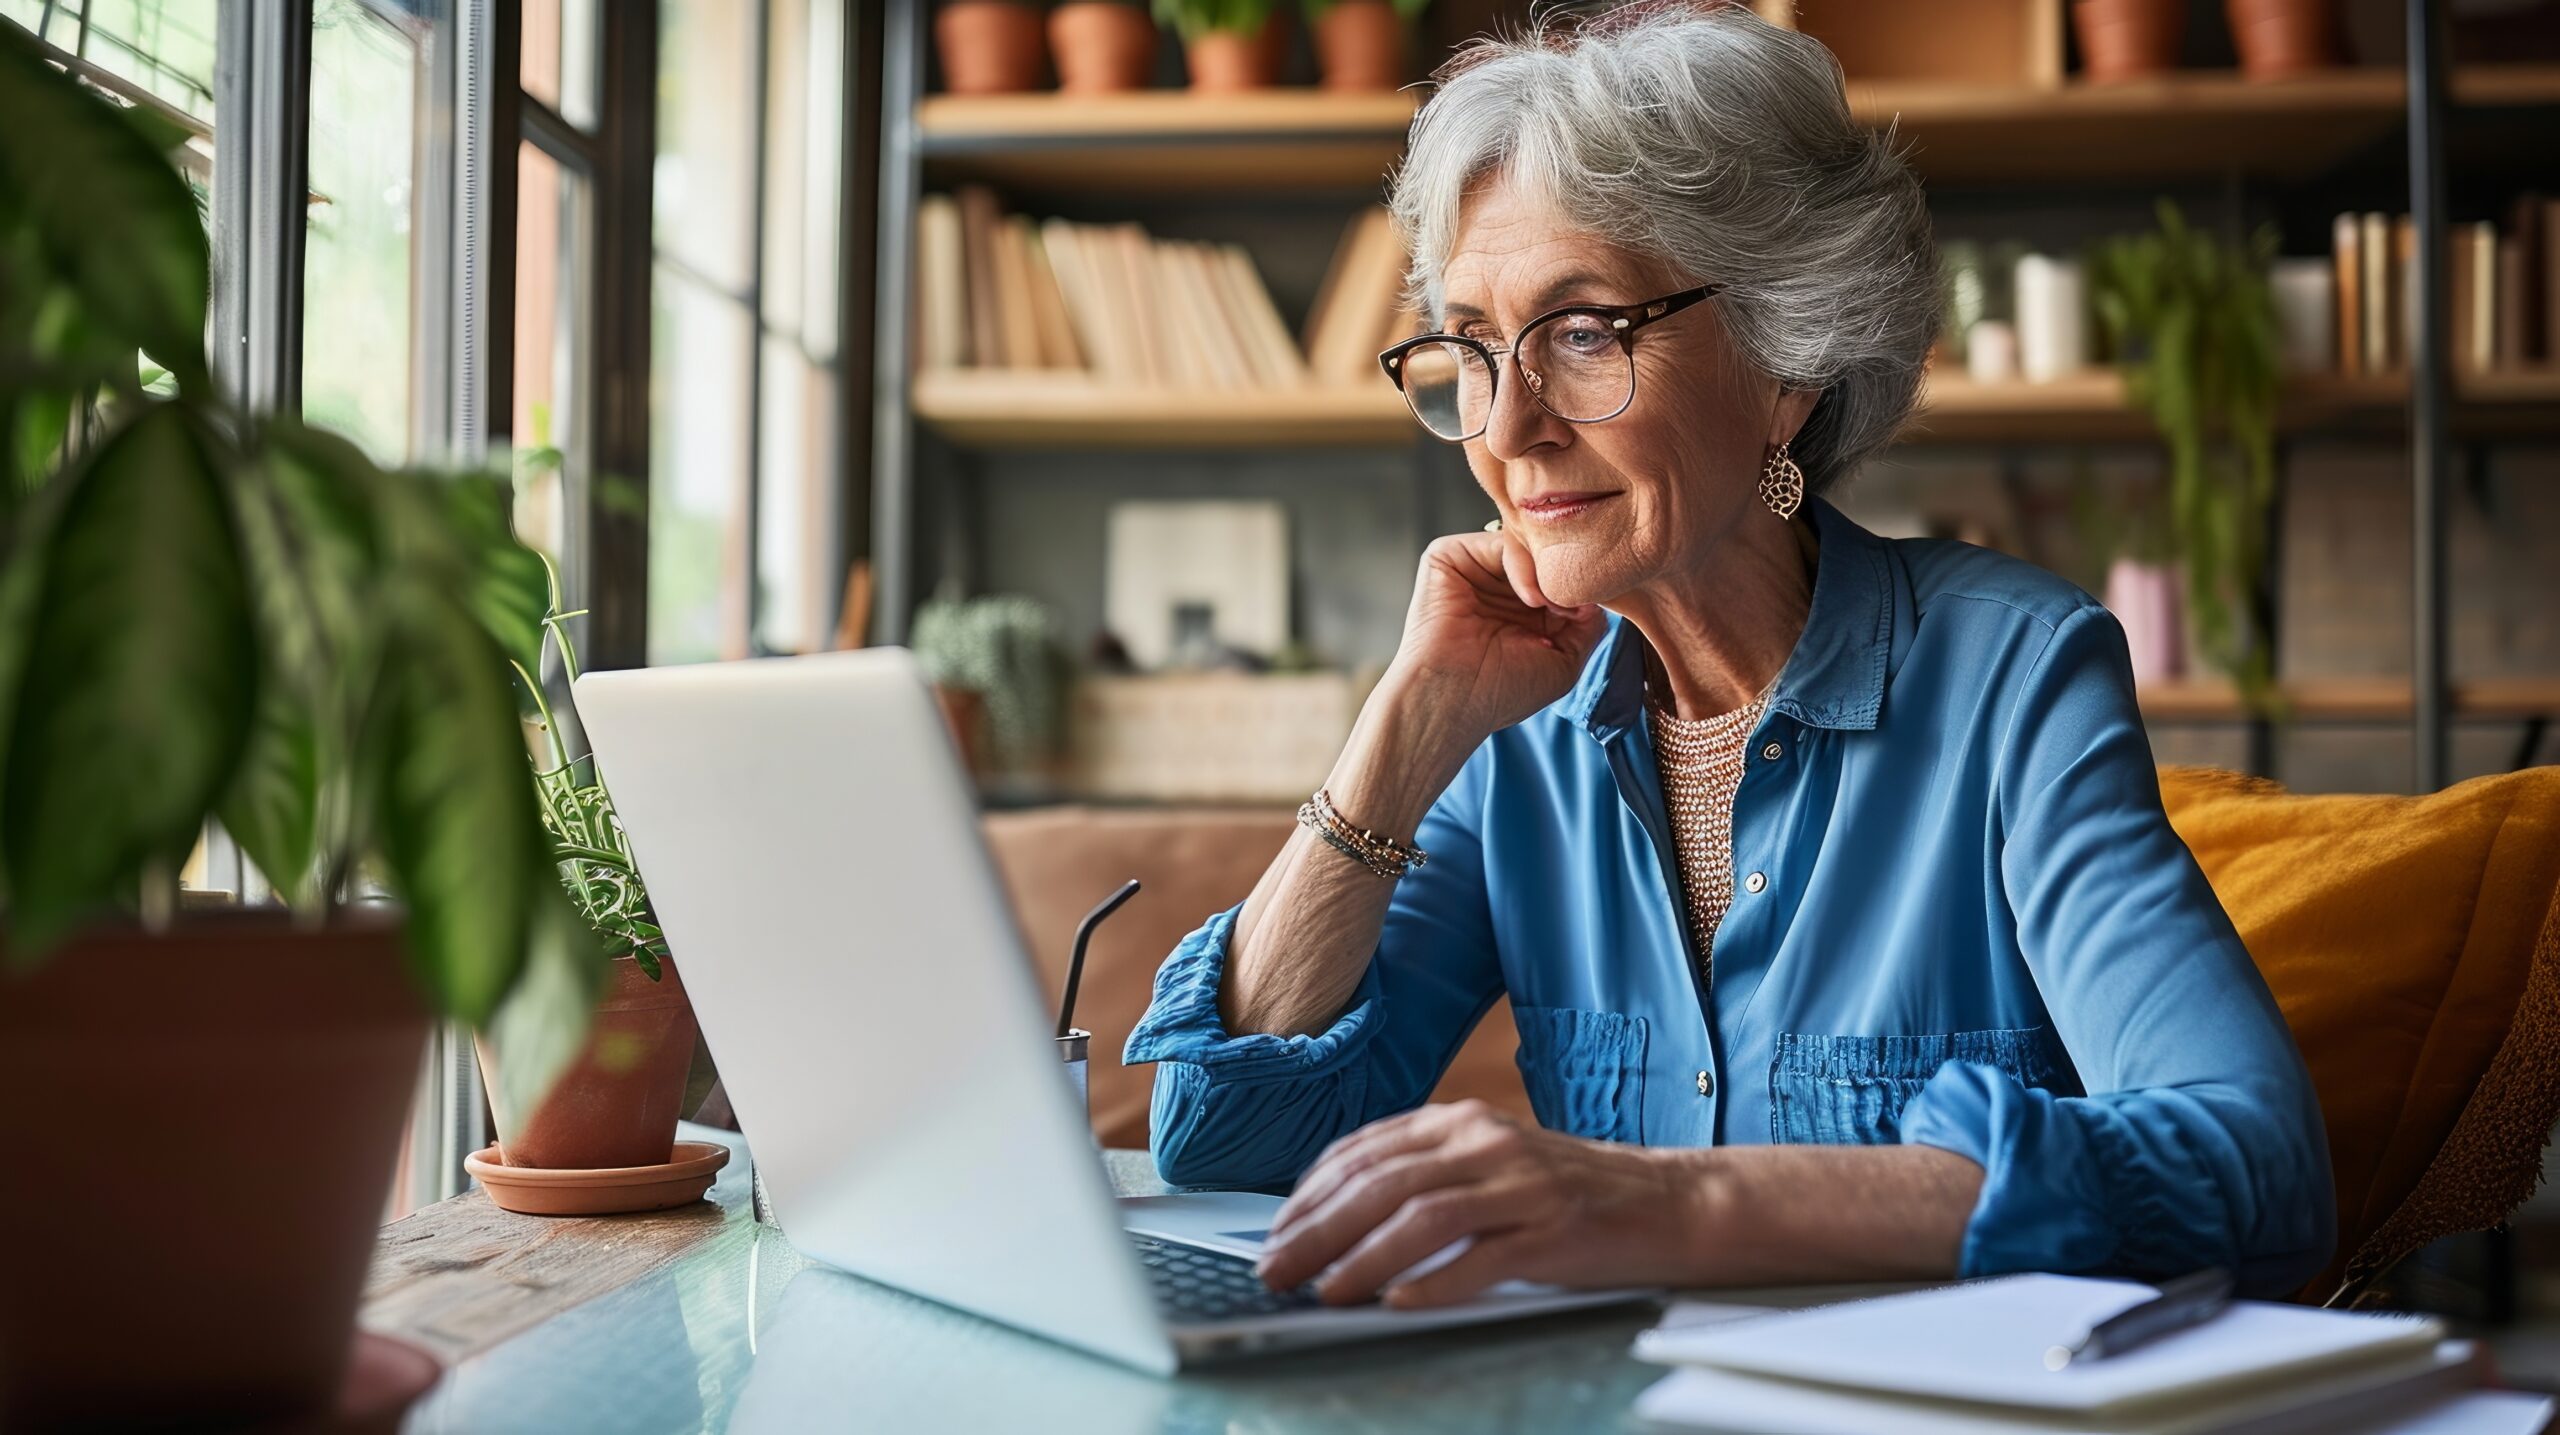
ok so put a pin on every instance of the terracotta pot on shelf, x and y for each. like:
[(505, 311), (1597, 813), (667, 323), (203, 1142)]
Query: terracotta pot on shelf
[(617, 1103), (2277, 38), (1102, 46), (2128, 39), (214, 1118), (1360, 46), (1226, 61), (990, 47)]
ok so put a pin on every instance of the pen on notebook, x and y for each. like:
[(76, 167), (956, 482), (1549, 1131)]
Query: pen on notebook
[(2186, 1301)]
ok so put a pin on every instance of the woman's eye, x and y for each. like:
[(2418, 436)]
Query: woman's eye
[(1582, 336)]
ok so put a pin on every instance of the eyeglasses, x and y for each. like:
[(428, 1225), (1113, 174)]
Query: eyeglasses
[(1579, 363)]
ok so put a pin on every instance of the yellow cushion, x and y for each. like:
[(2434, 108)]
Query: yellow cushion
[(2414, 945)]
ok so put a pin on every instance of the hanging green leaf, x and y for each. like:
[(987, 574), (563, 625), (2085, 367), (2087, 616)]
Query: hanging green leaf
[(116, 220), (457, 823), (136, 685)]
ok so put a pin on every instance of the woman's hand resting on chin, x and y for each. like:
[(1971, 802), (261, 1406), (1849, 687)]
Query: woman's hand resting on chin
[(1482, 647)]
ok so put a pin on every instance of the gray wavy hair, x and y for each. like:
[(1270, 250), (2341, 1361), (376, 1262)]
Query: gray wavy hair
[(1723, 143)]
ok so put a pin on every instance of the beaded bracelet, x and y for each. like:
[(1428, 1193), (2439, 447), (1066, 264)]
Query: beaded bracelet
[(1376, 851)]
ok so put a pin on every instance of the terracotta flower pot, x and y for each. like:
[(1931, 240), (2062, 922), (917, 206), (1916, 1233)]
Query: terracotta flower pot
[(1225, 61), (989, 47), (1360, 46), (2128, 39), (215, 1116), (616, 1105), (1102, 46), (2277, 38)]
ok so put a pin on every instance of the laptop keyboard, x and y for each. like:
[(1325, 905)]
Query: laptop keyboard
[(1196, 1284)]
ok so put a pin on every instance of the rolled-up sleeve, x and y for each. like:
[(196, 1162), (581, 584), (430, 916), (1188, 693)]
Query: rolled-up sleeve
[(2199, 1141), (1257, 1109)]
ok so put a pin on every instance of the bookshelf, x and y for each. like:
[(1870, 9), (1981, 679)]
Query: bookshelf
[(1251, 160)]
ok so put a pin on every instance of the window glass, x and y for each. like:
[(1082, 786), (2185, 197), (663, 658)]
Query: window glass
[(359, 298), (559, 55), (550, 359), (702, 347)]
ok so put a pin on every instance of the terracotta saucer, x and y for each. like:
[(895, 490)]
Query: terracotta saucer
[(540, 1191)]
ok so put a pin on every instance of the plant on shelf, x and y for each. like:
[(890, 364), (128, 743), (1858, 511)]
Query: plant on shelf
[(1360, 44), (1230, 44), (208, 613), (2193, 323)]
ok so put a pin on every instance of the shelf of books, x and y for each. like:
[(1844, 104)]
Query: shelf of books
[(2335, 700), (1047, 333), (2195, 123)]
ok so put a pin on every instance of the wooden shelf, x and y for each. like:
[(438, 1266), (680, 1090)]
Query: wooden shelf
[(1040, 410), (1154, 140), (1032, 410), (2090, 407), (2369, 700), (2196, 123)]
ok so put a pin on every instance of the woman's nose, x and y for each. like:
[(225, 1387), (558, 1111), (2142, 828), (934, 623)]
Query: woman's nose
[(1519, 422)]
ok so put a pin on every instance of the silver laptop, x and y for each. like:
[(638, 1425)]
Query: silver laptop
[(812, 849)]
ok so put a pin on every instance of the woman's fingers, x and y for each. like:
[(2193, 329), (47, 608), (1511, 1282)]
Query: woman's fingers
[(1349, 1157), (1418, 1230), (1522, 570), (1355, 1209), (1490, 1259)]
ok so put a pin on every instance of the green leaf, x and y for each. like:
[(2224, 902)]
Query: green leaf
[(509, 584), (116, 219), (137, 683), (459, 831), (537, 1030), (273, 806)]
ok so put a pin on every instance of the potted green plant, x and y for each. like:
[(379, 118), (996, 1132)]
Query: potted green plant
[(619, 1095), (2192, 320), (990, 47), (207, 613), (1102, 46), (1230, 45), (1361, 44)]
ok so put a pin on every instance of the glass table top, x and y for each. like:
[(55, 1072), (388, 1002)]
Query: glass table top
[(743, 1334)]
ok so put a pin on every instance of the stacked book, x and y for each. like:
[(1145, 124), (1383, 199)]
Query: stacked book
[(2504, 290), (1006, 292)]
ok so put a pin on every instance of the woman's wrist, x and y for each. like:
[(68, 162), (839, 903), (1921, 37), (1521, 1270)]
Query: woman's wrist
[(1402, 754)]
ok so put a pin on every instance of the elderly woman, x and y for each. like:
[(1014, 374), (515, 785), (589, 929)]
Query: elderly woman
[(1827, 875)]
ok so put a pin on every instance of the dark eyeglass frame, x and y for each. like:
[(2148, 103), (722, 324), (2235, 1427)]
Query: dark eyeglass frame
[(1624, 321)]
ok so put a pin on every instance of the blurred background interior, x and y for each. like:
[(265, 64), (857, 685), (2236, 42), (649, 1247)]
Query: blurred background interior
[(1041, 338)]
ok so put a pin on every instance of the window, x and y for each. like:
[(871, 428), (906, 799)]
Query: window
[(361, 291), (746, 379)]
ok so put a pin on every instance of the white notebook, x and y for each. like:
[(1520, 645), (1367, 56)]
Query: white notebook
[(1984, 1342)]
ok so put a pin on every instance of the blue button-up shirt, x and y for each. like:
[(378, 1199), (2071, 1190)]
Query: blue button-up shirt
[(1960, 919)]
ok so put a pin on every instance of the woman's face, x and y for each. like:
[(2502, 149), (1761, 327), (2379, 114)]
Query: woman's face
[(1607, 508)]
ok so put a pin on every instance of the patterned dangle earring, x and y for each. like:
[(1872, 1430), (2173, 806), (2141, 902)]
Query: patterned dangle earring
[(1782, 484)]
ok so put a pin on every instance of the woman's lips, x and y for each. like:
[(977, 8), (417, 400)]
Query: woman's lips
[(1560, 507)]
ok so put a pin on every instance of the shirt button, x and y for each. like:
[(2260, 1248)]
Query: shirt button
[(1755, 882), (1706, 1083), (1773, 752)]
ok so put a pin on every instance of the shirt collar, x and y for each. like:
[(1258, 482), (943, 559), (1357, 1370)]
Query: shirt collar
[(1833, 679)]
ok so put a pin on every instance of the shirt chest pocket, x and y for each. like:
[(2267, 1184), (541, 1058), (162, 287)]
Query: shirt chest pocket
[(1850, 1090), (1584, 1070)]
